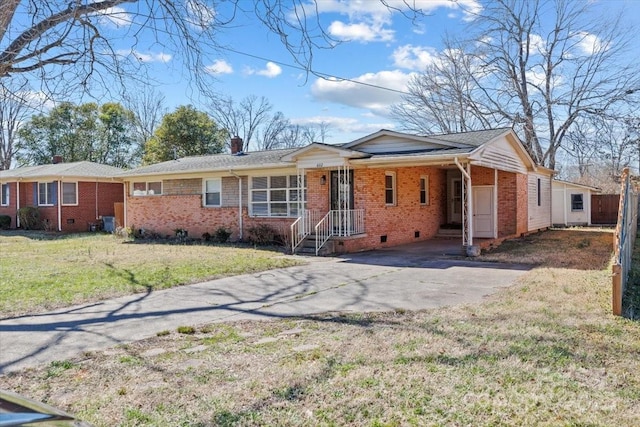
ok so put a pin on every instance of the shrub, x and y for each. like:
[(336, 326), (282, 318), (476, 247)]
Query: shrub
[(5, 222), (263, 234), (221, 235), (30, 218)]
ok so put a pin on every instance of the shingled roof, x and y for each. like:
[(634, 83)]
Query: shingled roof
[(217, 162), (83, 169)]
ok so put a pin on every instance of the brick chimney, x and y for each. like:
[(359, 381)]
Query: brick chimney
[(57, 159), (236, 145)]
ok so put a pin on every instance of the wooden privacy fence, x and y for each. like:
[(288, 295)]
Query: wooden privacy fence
[(604, 209), (624, 239)]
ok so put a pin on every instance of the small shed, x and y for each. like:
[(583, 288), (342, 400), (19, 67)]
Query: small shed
[(571, 203)]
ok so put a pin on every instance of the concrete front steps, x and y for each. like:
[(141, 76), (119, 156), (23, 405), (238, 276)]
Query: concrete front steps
[(308, 247)]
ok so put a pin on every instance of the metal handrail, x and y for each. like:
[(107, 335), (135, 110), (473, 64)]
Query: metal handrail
[(343, 223), (302, 227)]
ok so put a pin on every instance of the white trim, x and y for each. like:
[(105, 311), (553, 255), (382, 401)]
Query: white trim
[(394, 188), (2, 193), (62, 183), (427, 194), (146, 191), (204, 192), (268, 202), (47, 193)]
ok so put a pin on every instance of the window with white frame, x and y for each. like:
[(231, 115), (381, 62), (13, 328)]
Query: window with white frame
[(577, 202), (4, 195), (277, 196), (46, 193), (390, 188), (424, 190), (151, 188), (212, 192), (69, 193)]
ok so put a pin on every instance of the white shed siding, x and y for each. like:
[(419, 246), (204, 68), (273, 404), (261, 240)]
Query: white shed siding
[(562, 213), (385, 144), (501, 155), (539, 216)]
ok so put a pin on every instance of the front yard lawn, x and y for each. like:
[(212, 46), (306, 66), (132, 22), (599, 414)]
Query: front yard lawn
[(43, 271), (544, 352)]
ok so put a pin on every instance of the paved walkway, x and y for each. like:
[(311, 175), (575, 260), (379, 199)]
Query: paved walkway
[(375, 281)]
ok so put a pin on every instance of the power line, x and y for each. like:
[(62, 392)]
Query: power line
[(320, 74)]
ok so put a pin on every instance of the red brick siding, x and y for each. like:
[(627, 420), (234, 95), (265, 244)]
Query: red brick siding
[(84, 213), (507, 204), (164, 214), (523, 204), (398, 223), (10, 209)]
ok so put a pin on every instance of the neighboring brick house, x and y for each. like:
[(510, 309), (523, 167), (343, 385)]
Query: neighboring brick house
[(69, 196), (384, 189)]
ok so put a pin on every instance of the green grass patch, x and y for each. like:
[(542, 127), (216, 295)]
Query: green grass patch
[(41, 272)]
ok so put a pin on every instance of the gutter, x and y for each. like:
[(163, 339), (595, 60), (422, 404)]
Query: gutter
[(239, 203)]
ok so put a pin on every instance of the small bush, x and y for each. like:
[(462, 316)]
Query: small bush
[(221, 235), (263, 234), (123, 232), (5, 222), (30, 218)]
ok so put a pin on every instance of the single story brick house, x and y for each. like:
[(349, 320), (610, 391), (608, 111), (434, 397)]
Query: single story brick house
[(571, 203), (69, 196), (385, 189)]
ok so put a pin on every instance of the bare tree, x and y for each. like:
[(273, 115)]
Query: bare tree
[(270, 136), (538, 66), (148, 107), (15, 108), (65, 44), (242, 119)]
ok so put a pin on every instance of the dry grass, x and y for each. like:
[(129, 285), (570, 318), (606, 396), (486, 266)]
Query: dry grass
[(544, 352), (46, 271)]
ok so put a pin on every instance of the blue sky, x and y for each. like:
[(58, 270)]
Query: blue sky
[(378, 47)]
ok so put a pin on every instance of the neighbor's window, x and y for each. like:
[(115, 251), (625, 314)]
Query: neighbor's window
[(576, 202), (4, 195), (278, 196), (424, 190), (69, 193), (390, 188), (539, 195), (46, 193), (213, 192), (152, 188)]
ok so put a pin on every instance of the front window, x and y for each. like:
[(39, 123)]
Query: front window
[(213, 192), (5, 195), (277, 196), (424, 190), (152, 188), (577, 202), (46, 193), (69, 193), (390, 188)]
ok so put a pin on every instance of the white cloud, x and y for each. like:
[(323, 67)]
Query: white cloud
[(361, 32), (537, 44), (368, 96), (271, 70), (589, 44), (413, 57), (378, 10), (199, 14), (219, 66), (343, 125), (146, 57), (114, 17)]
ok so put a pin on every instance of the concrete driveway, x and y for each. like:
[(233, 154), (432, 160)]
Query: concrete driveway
[(410, 277)]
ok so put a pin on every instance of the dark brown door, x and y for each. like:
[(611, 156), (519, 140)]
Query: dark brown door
[(604, 208)]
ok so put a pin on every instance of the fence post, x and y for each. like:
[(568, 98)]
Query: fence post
[(616, 294)]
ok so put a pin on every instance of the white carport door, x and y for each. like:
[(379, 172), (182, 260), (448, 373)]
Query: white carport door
[(483, 211)]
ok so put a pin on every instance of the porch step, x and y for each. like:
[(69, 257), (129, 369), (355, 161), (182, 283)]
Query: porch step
[(308, 247), (449, 232)]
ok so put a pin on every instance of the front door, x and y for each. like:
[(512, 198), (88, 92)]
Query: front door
[(455, 201), (483, 223), (341, 190)]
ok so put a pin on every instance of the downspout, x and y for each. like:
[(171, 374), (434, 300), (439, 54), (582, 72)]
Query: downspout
[(96, 199), (60, 203), (18, 202), (468, 195), (239, 203), (124, 199)]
